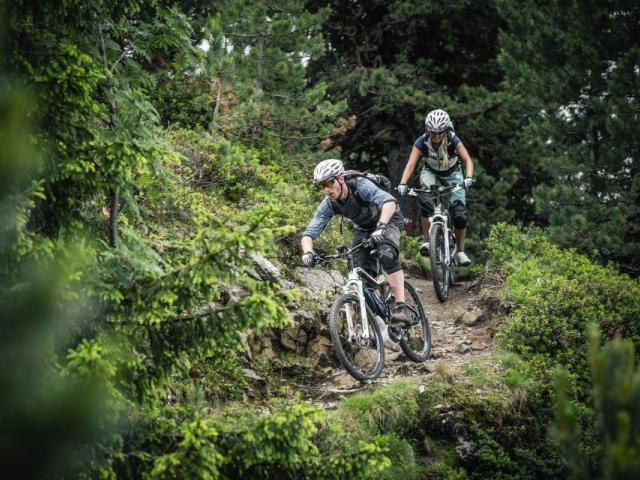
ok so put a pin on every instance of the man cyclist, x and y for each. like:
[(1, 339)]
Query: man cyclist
[(442, 150), (374, 213)]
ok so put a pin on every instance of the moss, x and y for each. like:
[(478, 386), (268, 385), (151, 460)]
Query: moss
[(443, 462)]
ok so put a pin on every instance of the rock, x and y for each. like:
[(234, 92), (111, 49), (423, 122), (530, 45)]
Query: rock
[(315, 280), (404, 369), (231, 295), (422, 368), (393, 357), (264, 269), (250, 374), (289, 369), (464, 448), (261, 344), (462, 348), (472, 317), (294, 338), (244, 341), (321, 349), (343, 379)]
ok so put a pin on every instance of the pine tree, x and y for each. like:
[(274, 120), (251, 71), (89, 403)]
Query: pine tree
[(576, 66)]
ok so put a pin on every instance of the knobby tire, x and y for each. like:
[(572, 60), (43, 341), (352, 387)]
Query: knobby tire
[(349, 353), (440, 274), (416, 340)]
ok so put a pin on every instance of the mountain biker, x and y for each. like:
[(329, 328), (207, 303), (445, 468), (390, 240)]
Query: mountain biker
[(374, 213), (442, 150)]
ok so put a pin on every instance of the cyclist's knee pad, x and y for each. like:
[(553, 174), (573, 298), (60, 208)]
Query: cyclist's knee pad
[(459, 215), (389, 258)]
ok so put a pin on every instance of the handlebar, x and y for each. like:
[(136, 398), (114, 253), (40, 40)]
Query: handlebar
[(343, 252), (417, 192)]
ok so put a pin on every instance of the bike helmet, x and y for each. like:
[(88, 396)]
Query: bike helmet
[(327, 169), (437, 121)]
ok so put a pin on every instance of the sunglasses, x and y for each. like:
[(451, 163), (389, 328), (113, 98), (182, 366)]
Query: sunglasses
[(327, 183), (436, 133)]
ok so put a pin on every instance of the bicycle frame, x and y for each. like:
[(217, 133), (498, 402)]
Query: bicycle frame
[(355, 284), (441, 215)]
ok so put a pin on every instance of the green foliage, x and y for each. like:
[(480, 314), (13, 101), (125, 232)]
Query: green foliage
[(125, 347), (196, 456), (284, 443), (556, 293), (393, 409), (411, 253), (615, 397), (574, 69), (45, 414), (250, 83), (86, 64)]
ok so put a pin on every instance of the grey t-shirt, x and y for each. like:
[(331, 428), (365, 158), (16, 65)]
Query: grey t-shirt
[(364, 213)]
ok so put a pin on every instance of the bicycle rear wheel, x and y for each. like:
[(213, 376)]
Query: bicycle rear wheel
[(362, 357), (416, 340), (440, 273)]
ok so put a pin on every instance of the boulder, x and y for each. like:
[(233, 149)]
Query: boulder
[(294, 338), (472, 317), (317, 281), (264, 269), (262, 344), (321, 349)]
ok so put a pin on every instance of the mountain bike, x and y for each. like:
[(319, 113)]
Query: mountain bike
[(366, 303), (441, 237)]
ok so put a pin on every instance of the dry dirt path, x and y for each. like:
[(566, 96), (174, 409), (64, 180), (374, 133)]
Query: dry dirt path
[(454, 344)]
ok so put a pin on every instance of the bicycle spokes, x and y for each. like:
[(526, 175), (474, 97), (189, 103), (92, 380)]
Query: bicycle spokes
[(359, 346), (416, 340)]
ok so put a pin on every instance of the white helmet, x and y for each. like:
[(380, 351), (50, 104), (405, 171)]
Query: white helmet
[(437, 121), (327, 169)]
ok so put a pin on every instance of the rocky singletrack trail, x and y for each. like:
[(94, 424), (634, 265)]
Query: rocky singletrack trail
[(460, 333)]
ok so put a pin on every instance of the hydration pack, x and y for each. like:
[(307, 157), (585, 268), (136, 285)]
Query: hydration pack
[(378, 179)]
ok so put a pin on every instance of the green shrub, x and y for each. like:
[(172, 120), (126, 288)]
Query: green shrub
[(556, 293), (616, 406)]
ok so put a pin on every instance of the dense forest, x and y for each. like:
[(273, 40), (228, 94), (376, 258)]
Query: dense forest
[(155, 154)]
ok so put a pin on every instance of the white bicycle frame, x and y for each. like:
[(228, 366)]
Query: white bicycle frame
[(354, 284), (440, 217)]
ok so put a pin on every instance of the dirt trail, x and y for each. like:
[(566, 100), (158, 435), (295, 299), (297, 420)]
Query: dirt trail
[(453, 343)]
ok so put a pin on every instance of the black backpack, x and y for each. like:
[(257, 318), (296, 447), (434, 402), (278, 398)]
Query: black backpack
[(378, 179)]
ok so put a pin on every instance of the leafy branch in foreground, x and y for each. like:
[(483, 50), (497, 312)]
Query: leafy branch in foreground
[(616, 403)]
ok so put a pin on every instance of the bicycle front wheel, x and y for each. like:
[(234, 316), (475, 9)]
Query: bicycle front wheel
[(360, 353), (439, 270), (416, 340)]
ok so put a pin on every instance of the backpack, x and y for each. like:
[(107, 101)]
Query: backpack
[(378, 179)]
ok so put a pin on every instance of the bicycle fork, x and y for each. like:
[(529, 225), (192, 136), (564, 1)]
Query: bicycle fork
[(354, 284), (439, 219)]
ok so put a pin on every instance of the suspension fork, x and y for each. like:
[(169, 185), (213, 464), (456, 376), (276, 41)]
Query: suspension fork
[(354, 284), (439, 219)]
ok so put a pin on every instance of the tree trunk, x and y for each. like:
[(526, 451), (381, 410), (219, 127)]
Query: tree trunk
[(113, 217), (217, 84), (259, 84)]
